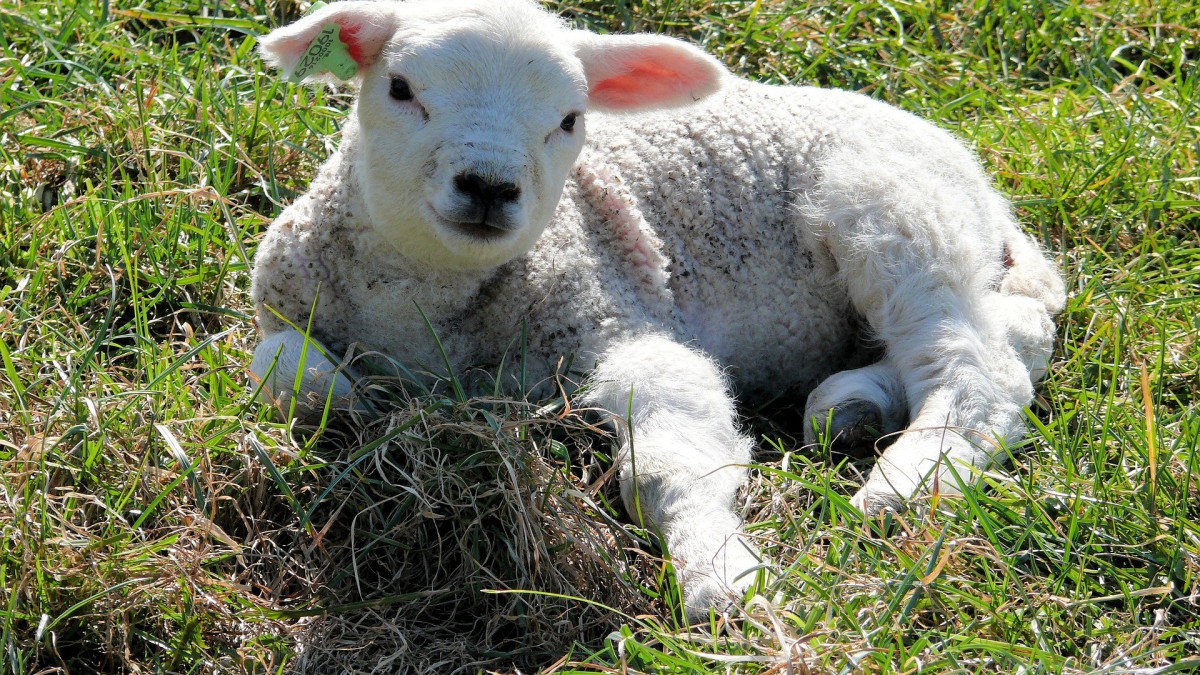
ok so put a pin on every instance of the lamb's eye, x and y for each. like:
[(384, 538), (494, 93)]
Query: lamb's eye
[(400, 89), (568, 123)]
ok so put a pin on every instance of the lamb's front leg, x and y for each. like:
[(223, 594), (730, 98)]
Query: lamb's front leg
[(682, 460), (290, 364)]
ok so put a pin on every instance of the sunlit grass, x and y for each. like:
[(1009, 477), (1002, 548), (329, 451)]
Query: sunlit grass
[(155, 519)]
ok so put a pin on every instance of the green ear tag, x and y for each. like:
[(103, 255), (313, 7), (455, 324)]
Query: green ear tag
[(326, 54)]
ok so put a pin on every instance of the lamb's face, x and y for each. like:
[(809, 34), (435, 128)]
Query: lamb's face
[(471, 113), (466, 139)]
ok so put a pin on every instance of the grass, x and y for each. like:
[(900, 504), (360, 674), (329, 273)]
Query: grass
[(154, 519)]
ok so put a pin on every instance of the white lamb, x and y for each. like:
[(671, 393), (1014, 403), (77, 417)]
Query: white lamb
[(710, 235)]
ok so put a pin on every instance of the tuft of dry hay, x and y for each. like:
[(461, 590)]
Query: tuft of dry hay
[(461, 536)]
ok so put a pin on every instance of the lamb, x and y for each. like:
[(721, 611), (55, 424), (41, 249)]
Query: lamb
[(624, 199)]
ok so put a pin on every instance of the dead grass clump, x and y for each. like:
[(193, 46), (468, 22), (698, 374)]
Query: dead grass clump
[(451, 541)]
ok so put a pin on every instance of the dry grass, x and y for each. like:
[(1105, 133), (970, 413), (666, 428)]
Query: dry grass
[(450, 500)]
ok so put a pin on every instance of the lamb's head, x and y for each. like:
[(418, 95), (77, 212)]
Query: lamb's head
[(472, 113)]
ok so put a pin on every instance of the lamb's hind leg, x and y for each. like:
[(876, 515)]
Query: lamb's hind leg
[(921, 254), (972, 407)]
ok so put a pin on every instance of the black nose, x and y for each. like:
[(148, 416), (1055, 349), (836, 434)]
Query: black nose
[(488, 193)]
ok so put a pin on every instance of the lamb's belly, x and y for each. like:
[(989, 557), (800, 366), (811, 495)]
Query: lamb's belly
[(772, 333)]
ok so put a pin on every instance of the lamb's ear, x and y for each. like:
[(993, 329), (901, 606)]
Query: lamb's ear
[(364, 27), (642, 72)]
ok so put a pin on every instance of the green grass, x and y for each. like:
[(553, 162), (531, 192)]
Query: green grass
[(155, 520)]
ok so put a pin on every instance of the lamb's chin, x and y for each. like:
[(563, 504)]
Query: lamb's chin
[(485, 234), (438, 244), (461, 248)]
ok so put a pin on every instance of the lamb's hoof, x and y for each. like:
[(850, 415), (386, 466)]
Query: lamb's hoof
[(874, 501), (720, 587), (851, 425), (706, 593), (280, 356)]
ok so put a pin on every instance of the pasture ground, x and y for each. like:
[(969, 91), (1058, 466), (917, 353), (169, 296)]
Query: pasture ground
[(153, 519)]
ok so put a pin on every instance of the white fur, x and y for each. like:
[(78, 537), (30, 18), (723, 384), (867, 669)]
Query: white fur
[(712, 235)]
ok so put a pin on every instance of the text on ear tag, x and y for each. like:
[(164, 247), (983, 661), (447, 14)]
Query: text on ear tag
[(326, 54)]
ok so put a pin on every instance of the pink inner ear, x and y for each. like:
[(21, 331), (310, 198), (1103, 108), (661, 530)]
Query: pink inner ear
[(649, 81), (354, 46)]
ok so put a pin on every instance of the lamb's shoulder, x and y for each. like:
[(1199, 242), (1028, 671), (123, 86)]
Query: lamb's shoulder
[(716, 192), (719, 182)]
